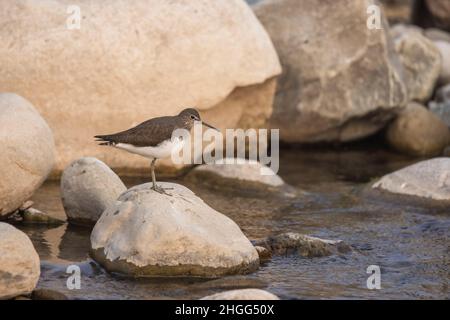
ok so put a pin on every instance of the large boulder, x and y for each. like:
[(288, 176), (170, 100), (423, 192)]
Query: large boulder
[(151, 234), (131, 62), (428, 179), (88, 187), (417, 131), (19, 263), (421, 59), (341, 80), (242, 294), (27, 151), (440, 10)]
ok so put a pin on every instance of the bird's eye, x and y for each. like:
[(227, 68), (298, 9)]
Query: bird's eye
[(192, 117)]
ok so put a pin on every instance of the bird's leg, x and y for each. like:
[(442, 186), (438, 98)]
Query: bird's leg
[(155, 187)]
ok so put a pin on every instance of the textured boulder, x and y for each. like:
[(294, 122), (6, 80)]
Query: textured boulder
[(341, 81), (88, 187), (441, 105), (421, 59), (27, 151), (128, 63), (417, 131), (440, 10), (150, 234), (242, 294), (248, 173), (427, 179), (303, 245), (19, 263)]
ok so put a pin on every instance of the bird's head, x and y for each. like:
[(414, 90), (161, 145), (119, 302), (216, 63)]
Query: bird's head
[(191, 115)]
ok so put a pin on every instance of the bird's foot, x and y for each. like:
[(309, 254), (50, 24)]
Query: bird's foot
[(161, 190)]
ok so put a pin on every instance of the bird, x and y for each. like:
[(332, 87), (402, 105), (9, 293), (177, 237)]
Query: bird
[(152, 139)]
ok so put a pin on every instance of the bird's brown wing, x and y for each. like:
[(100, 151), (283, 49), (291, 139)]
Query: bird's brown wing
[(147, 134)]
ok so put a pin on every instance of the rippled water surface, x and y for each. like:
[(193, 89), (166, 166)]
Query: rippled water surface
[(409, 241)]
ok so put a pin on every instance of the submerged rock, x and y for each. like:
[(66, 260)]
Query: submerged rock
[(421, 60), (161, 57), (32, 215), (47, 294), (248, 174), (151, 234), (27, 152), (88, 187), (428, 179), (303, 245), (323, 49), (417, 131), (19, 263), (263, 253), (242, 294)]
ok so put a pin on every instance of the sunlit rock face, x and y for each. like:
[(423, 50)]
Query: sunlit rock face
[(131, 62), (341, 80)]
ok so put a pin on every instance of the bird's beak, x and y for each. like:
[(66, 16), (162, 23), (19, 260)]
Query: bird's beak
[(209, 126)]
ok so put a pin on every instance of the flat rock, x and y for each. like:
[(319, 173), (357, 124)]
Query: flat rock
[(323, 48), (421, 59), (429, 179), (88, 187), (417, 131), (242, 294), (27, 151), (303, 245), (247, 173), (151, 234), (135, 62), (19, 263)]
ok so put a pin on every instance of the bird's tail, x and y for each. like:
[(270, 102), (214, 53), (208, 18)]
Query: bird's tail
[(105, 140)]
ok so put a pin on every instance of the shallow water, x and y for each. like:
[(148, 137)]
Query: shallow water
[(410, 242)]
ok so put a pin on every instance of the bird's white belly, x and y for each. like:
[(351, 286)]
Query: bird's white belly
[(162, 150)]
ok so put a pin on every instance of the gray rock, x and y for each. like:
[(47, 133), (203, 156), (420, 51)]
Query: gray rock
[(417, 131), (19, 263), (88, 187), (441, 105), (249, 172), (151, 234), (428, 179), (341, 81), (436, 34), (303, 245), (242, 294), (27, 152), (421, 60)]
